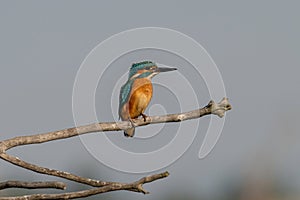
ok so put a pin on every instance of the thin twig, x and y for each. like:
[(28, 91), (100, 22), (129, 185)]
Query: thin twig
[(32, 185)]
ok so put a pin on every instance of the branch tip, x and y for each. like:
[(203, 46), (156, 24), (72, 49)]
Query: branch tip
[(220, 108)]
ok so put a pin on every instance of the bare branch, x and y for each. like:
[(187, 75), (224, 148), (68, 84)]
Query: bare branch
[(135, 186), (218, 109), (32, 185), (212, 108)]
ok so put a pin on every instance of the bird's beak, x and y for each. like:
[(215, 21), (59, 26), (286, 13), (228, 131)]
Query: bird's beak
[(164, 68)]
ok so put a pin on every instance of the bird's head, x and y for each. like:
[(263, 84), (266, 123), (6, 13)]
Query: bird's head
[(147, 69)]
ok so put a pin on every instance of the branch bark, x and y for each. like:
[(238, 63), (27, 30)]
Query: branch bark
[(32, 185), (218, 109)]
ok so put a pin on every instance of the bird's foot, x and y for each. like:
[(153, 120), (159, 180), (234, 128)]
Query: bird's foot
[(132, 122), (144, 116)]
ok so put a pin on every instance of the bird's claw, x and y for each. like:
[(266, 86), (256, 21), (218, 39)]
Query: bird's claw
[(131, 122), (144, 116)]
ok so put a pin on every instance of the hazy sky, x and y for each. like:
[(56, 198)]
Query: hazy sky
[(255, 45)]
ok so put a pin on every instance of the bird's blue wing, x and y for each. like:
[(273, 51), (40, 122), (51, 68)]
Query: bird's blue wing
[(124, 93)]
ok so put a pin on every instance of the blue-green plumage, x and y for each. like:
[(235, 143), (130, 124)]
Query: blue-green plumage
[(144, 75), (139, 66), (124, 93)]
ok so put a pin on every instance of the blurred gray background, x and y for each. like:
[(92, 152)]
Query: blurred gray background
[(255, 44)]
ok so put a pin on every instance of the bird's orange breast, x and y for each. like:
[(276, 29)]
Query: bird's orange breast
[(140, 97)]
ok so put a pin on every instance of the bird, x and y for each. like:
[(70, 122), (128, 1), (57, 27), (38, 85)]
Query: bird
[(136, 93)]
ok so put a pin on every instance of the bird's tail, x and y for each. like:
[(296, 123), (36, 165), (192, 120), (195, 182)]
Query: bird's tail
[(129, 132)]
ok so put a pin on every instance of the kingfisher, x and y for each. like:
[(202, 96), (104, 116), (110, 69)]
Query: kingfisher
[(136, 93)]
